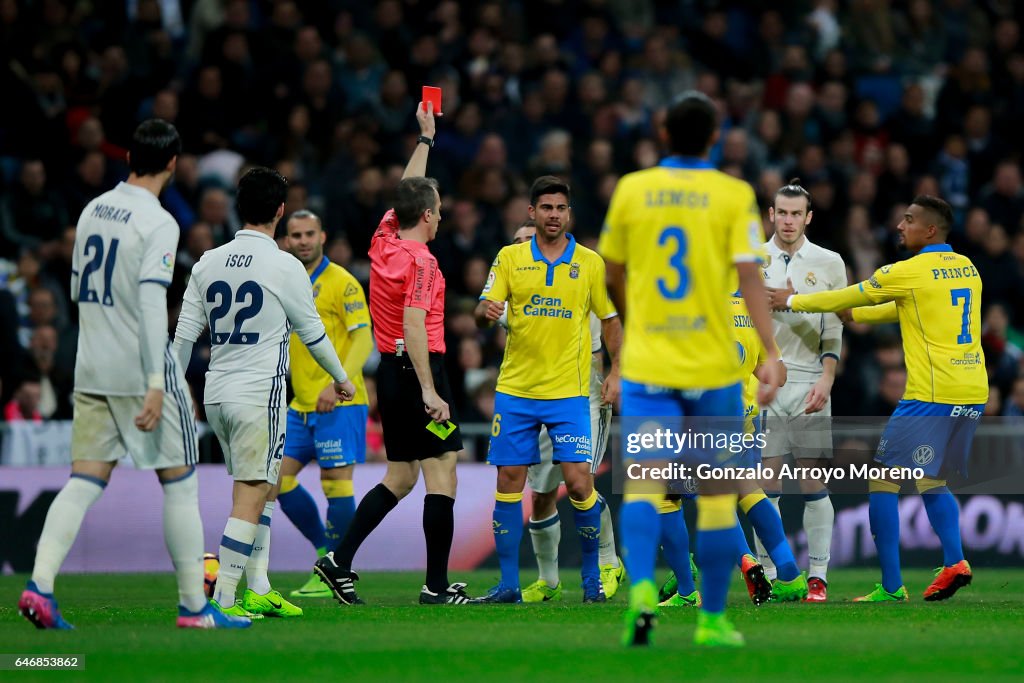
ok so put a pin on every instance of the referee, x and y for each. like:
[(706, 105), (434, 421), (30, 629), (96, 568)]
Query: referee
[(407, 308)]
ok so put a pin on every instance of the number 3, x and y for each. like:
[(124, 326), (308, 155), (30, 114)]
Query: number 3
[(677, 262)]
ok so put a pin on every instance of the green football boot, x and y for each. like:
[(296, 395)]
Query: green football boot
[(677, 600), (640, 615), (236, 610), (790, 591), (882, 595), (272, 604), (313, 588), (612, 578), (714, 630), (669, 588), (540, 591)]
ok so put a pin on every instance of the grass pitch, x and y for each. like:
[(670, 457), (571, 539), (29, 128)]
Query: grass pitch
[(125, 631)]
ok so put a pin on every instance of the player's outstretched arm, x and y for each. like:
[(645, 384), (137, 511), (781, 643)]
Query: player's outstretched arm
[(876, 315), (820, 302), (417, 166)]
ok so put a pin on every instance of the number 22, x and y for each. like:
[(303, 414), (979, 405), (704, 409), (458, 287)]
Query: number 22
[(219, 293)]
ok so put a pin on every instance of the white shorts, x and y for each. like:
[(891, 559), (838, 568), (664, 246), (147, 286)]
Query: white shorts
[(104, 429), (789, 430), (252, 438), (546, 476)]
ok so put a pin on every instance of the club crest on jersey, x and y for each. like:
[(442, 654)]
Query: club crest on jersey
[(810, 279), (574, 271), (923, 455), (316, 290), (767, 262)]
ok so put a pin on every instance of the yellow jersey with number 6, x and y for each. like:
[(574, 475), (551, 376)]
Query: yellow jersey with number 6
[(679, 229)]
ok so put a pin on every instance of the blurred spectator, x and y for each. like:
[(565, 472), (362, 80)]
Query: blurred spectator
[(1014, 405), (24, 407), (55, 385), (890, 391), (1004, 199), (31, 213)]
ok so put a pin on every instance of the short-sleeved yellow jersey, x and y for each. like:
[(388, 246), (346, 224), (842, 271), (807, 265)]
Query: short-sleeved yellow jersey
[(937, 296), (547, 353), (679, 228), (341, 303)]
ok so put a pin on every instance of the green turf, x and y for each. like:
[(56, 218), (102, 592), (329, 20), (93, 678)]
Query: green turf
[(125, 631)]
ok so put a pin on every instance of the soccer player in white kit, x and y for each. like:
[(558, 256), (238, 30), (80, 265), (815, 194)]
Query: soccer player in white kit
[(811, 344), (545, 478), (130, 393), (251, 294)]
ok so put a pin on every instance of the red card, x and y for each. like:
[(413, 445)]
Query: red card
[(432, 94)]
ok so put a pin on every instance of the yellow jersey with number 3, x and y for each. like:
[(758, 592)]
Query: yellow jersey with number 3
[(937, 295), (679, 228), (341, 304)]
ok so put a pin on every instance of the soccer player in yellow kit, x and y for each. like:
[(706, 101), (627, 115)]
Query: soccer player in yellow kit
[(674, 239), (318, 426), (551, 285), (935, 296)]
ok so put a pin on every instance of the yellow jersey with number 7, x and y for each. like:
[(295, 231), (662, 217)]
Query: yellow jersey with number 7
[(936, 296), (679, 229)]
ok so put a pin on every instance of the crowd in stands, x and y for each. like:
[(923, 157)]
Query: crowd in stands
[(868, 102)]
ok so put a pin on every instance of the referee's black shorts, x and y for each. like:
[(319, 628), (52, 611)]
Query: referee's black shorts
[(402, 415)]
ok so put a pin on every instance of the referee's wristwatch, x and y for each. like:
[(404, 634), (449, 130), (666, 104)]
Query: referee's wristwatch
[(429, 142)]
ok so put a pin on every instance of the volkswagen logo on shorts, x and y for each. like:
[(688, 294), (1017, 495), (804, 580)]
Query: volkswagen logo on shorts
[(689, 485), (923, 455)]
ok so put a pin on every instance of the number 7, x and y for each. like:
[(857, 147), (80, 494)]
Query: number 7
[(965, 333)]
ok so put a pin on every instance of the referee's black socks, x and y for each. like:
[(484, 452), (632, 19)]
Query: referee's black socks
[(438, 530), (372, 510)]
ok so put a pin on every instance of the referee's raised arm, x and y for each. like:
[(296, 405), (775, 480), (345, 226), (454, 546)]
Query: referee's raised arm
[(417, 166)]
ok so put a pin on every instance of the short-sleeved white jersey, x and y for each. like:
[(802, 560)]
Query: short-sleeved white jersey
[(251, 294), (124, 238), (803, 338)]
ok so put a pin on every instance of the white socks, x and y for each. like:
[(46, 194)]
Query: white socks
[(606, 541), (545, 535), (183, 534), (819, 517), (235, 550), (256, 568), (63, 521)]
